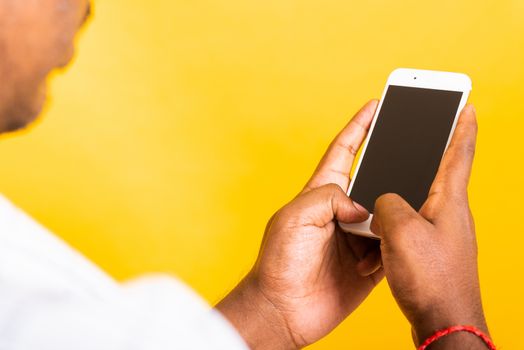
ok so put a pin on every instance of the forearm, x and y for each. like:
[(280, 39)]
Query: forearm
[(255, 318)]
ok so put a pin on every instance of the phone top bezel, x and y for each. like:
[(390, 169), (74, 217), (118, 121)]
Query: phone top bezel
[(417, 78)]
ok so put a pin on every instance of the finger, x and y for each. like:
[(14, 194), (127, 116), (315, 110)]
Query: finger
[(360, 246), (392, 216), (322, 205), (371, 262), (453, 175), (366, 252), (336, 163), (376, 276)]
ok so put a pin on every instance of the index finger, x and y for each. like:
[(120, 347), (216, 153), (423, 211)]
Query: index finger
[(336, 163), (453, 174)]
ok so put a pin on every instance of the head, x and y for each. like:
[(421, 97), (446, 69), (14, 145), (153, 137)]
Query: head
[(36, 36)]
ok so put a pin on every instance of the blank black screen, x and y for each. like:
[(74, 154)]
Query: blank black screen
[(406, 146)]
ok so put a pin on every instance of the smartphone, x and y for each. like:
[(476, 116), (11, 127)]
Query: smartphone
[(409, 134)]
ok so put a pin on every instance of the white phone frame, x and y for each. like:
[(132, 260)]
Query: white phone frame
[(417, 78)]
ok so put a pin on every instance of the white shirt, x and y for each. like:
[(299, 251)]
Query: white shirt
[(52, 298)]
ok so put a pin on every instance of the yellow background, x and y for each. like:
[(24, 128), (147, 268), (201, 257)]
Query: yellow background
[(183, 125)]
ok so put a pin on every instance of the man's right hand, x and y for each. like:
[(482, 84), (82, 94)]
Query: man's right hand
[(430, 256)]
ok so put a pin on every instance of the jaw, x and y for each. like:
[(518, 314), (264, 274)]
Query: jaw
[(22, 108)]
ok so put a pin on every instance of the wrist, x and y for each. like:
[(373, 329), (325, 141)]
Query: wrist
[(458, 336), (255, 317), (431, 323)]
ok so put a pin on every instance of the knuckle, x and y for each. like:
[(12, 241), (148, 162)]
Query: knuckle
[(332, 188), (286, 217), (280, 214), (352, 150), (406, 225), (469, 149)]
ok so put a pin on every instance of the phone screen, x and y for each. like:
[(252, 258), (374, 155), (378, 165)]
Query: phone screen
[(405, 149)]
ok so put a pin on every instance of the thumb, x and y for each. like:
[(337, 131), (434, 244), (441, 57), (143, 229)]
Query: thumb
[(391, 216), (324, 204)]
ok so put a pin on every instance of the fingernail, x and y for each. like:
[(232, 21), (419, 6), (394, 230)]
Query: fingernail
[(359, 207), (472, 107)]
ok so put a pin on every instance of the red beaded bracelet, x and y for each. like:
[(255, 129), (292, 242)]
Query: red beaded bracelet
[(470, 329)]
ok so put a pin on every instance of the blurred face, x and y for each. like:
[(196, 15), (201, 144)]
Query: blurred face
[(36, 36)]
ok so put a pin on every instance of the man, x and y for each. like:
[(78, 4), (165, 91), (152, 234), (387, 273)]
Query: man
[(308, 278)]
